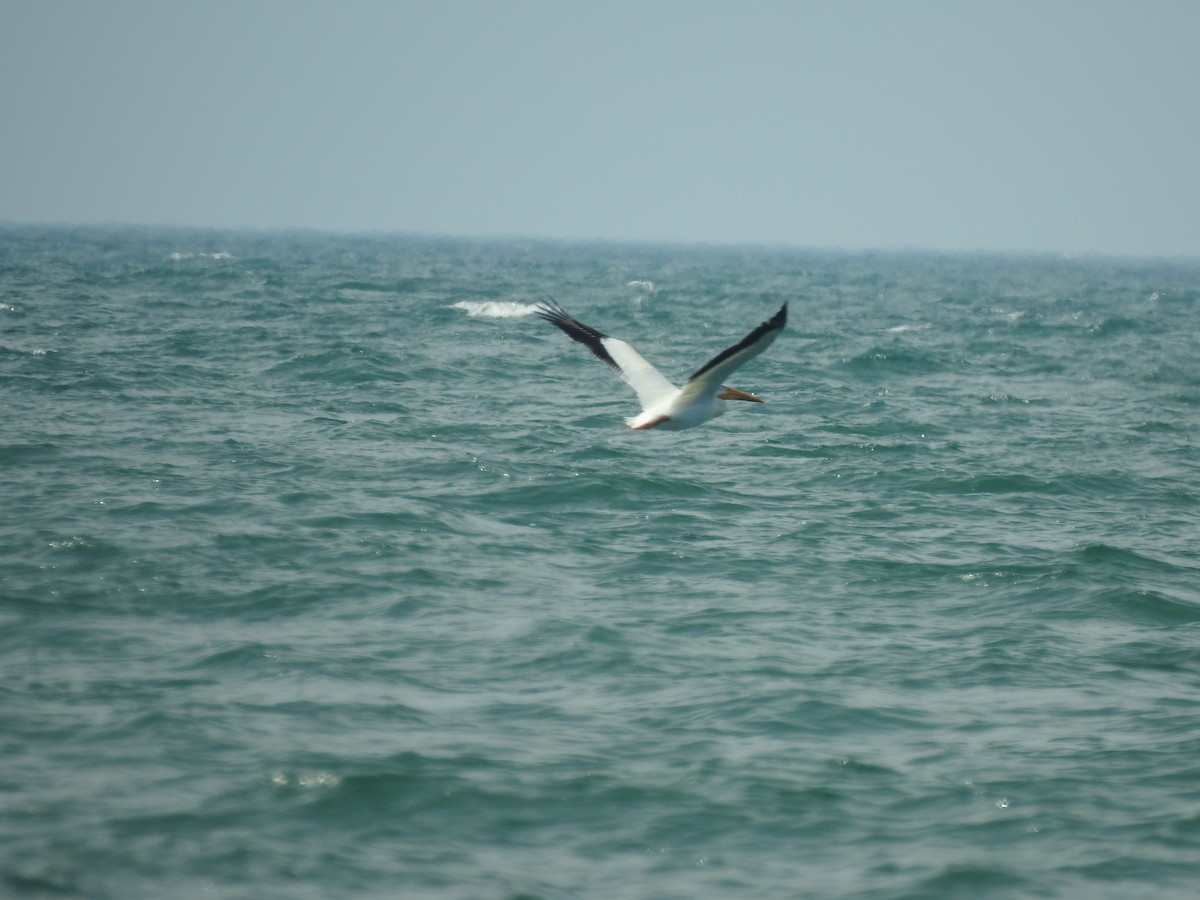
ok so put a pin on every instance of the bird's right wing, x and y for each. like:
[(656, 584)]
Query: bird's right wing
[(649, 384)]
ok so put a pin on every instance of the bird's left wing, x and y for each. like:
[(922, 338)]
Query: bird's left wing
[(716, 370), (649, 384)]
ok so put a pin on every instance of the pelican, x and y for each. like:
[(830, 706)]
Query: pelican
[(665, 406)]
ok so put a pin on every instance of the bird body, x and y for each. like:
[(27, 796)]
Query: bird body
[(702, 397)]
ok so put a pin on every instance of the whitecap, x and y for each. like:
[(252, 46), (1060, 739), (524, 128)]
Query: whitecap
[(494, 309), (178, 255)]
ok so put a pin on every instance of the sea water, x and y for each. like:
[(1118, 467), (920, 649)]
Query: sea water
[(330, 570)]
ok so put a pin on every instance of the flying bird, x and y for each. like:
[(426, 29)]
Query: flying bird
[(702, 396)]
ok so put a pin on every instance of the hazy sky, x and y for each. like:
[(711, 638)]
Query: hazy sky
[(1058, 125)]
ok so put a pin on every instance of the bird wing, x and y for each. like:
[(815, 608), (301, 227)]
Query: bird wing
[(649, 384), (710, 376)]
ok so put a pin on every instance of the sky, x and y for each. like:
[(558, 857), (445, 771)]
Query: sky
[(1060, 126)]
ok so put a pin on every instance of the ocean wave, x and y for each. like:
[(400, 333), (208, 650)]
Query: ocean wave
[(179, 255), (495, 309)]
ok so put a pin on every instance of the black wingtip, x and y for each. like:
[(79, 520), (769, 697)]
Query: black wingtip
[(549, 310), (775, 323)]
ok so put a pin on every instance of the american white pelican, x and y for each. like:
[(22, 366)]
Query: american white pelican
[(702, 396)]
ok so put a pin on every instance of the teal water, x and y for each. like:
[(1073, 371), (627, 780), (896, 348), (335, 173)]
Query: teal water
[(328, 570)]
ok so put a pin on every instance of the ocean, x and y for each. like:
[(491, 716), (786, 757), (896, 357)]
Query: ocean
[(329, 570)]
